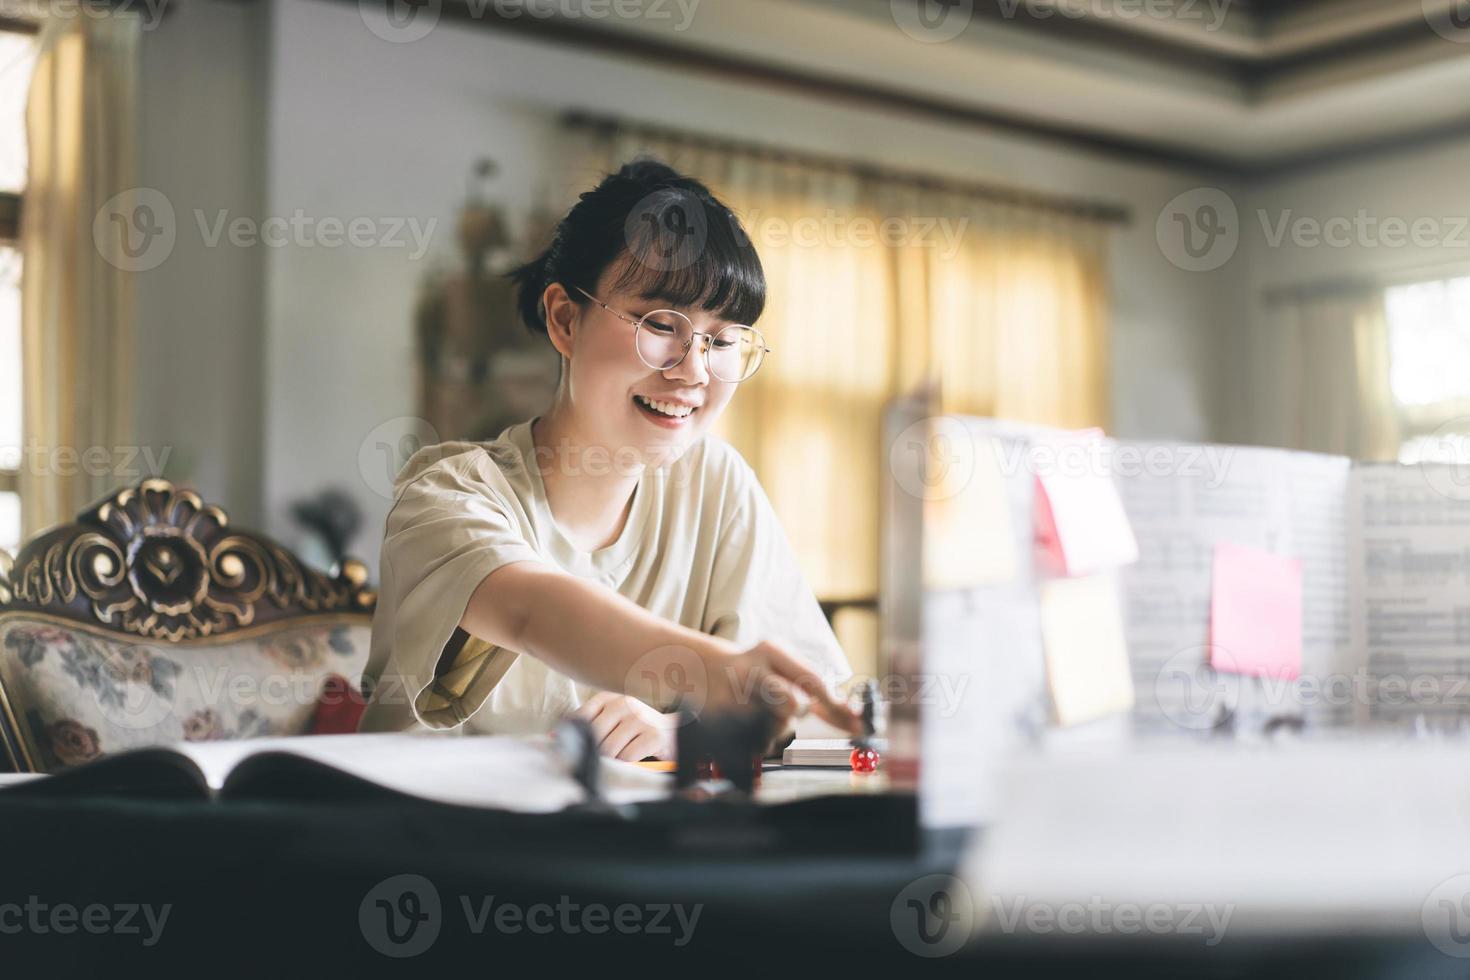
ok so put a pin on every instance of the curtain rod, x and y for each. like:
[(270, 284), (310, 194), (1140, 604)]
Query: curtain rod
[(1102, 213)]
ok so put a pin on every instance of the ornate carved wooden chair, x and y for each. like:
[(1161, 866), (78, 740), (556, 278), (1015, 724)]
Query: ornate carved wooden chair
[(151, 620)]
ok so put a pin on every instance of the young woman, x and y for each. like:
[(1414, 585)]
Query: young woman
[(608, 558)]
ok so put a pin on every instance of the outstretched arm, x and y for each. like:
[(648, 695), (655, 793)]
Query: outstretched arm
[(601, 638)]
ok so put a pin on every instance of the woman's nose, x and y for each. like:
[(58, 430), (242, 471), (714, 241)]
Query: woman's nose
[(692, 369)]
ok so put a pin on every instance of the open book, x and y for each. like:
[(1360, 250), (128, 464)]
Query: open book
[(517, 773)]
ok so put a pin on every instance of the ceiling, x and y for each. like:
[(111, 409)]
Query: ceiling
[(1236, 86), (1245, 86)]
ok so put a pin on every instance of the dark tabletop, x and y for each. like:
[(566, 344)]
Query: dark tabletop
[(292, 887)]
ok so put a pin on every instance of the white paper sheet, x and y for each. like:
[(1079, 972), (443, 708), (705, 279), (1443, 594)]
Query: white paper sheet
[(1181, 502), (1410, 533)]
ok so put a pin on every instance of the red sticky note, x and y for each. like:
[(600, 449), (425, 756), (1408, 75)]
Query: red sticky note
[(1081, 527), (1256, 613)]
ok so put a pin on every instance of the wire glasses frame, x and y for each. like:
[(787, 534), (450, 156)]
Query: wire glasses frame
[(665, 344)]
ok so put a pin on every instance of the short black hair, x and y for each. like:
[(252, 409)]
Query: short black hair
[(671, 237)]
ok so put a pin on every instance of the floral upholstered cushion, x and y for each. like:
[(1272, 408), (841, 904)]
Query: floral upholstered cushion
[(77, 694)]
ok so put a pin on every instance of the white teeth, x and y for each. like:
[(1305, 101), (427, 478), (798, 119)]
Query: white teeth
[(666, 408)]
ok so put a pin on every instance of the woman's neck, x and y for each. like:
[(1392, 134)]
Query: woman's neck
[(588, 490)]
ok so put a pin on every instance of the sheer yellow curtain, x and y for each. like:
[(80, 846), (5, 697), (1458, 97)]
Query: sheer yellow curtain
[(76, 312), (1335, 351), (1013, 305)]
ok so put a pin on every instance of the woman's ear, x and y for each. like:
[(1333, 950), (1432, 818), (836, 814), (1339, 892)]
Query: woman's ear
[(561, 317)]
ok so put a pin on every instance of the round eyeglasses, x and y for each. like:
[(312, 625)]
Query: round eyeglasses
[(663, 339)]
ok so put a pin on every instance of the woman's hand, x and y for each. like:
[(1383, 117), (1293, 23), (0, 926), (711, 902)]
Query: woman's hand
[(628, 729), (768, 673)]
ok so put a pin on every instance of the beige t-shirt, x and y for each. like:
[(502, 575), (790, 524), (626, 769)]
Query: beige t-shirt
[(701, 547)]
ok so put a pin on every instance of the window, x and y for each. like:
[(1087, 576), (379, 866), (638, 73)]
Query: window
[(1429, 348), (17, 60)]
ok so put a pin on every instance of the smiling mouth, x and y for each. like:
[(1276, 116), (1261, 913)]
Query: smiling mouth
[(668, 411)]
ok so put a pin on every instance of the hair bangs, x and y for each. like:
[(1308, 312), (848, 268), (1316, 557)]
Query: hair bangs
[(689, 254)]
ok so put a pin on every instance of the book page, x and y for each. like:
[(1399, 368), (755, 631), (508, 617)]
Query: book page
[(1411, 591), (520, 773), (1184, 499)]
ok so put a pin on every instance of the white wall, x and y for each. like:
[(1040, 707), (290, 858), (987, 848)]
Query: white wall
[(364, 127), (1415, 184), (201, 386)]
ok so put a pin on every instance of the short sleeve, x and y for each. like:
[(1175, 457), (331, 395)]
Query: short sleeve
[(757, 589), (448, 530)]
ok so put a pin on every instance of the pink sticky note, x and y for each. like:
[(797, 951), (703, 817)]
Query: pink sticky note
[(1081, 527), (1256, 613)]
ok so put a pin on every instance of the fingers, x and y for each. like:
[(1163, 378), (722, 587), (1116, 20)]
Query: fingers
[(646, 744), (622, 737), (589, 709), (810, 691)]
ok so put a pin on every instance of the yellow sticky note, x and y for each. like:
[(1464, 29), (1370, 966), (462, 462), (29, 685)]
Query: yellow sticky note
[(1086, 654), (969, 539)]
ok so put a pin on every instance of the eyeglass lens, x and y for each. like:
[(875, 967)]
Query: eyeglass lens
[(665, 337)]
